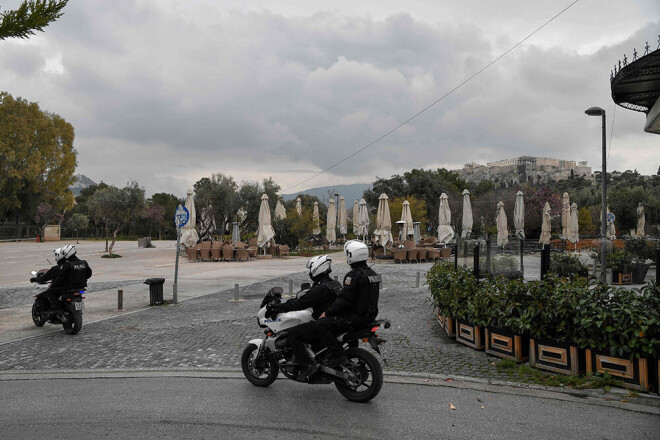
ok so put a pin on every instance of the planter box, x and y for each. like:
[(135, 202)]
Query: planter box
[(447, 325), (470, 334), (632, 373), (621, 278), (556, 357), (639, 272), (506, 344)]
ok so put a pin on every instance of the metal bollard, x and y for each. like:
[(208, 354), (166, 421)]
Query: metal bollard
[(236, 292), (417, 280), (120, 299), (291, 287)]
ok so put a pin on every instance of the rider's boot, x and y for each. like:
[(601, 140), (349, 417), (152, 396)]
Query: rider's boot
[(307, 371)]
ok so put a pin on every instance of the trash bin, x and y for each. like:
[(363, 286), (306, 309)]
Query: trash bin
[(155, 290)]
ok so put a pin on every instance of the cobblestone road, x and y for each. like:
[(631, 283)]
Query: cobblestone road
[(210, 332)]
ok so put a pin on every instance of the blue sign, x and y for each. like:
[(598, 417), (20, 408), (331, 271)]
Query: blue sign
[(610, 217), (181, 216)]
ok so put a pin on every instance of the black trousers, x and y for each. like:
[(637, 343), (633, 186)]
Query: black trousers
[(48, 299), (328, 328), (297, 337)]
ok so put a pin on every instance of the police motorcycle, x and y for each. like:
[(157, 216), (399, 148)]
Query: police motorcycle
[(359, 380), (69, 313)]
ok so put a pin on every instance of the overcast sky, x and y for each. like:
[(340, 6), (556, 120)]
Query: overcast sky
[(167, 92)]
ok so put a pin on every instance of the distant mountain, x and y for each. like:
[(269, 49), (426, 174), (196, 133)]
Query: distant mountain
[(349, 192), (81, 183)]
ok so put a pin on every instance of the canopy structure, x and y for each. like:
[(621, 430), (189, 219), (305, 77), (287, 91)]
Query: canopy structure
[(315, 219), (407, 228), (343, 217), (280, 212), (445, 231), (298, 206), (573, 225), (519, 215), (641, 220), (565, 215), (189, 235), (383, 232), (265, 232), (502, 228), (356, 217), (363, 220), (235, 233), (545, 225), (331, 222), (467, 221)]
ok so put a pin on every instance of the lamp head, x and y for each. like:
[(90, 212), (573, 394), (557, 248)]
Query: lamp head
[(595, 111)]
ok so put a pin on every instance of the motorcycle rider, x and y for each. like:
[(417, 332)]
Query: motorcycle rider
[(69, 273), (322, 293)]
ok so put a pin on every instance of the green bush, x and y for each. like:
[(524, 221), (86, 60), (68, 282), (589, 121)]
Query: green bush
[(640, 249), (619, 260), (566, 265)]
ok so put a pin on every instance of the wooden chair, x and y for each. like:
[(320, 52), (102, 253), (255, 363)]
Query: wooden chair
[(273, 250), (227, 252), (216, 250), (411, 255), (284, 251), (432, 254), (240, 245), (422, 254), (445, 252), (242, 254), (400, 255), (429, 241)]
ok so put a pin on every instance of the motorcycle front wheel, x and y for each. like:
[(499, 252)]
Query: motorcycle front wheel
[(368, 376), (74, 324), (260, 371), (36, 316)]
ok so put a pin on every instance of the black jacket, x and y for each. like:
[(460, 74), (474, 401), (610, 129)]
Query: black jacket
[(73, 273), (358, 299), (322, 293)]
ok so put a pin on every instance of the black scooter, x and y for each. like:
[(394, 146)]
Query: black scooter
[(69, 313)]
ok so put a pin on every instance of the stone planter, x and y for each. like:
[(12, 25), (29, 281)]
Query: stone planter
[(447, 325), (633, 373), (639, 272), (557, 357), (506, 344), (470, 334)]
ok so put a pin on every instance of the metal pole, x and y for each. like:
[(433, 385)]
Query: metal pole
[(236, 292), (120, 299), (603, 226), (522, 267), (291, 287), (475, 264), (417, 280), (176, 265)]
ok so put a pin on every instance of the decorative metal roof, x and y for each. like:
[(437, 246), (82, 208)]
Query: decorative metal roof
[(636, 84)]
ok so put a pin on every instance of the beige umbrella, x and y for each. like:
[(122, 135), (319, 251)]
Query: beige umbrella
[(356, 217), (545, 225), (519, 215), (408, 228), (331, 222), (298, 206), (468, 221), (502, 228), (565, 214), (280, 212), (641, 220), (315, 218), (383, 230), (189, 235), (445, 231), (343, 217), (573, 225), (363, 219), (265, 233)]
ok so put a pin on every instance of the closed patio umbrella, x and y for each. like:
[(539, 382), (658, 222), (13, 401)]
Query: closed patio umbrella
[(445, 231), (331, 222), (280, 212), (573, 225), (641, 220), (265, 232), (298, 206), (519, 215), (383, 230), (343, 217), (189, 235), (235, 234), (468, 221), (502, 228), (315, 219), (565, 215), (363, 219), (408, 227), (356, 217), (545, 225)]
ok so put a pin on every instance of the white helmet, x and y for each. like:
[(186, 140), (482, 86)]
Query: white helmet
[(318, 266), (69, 251), (356, 251), (58, 255)]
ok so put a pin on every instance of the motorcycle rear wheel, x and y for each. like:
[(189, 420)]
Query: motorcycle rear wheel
[(368, 373), (259, 372), (74, 325), (36, 317)]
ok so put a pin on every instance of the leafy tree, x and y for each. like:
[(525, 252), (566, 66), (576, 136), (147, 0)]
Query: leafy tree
[(623, 203), (154, 214), (586, 226), (169, 202), (46, 215), (417, 209), (217, 196), (37, 159), (77, 221), (30, 16), (250, 200)]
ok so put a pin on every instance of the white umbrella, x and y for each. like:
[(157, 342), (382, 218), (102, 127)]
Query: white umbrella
[(611, 230), (280, 212), (445, 231), (519, 215), (265, 232), (189, 235), (315, 218), (467, 215), (299, 206), (331, 222), (356, 217), (235, 234), (502, 229), (641, 220), (545, 225), (406, 216), (363, 219), (565, 215), (383, 230), (343, 217), (573, 225)]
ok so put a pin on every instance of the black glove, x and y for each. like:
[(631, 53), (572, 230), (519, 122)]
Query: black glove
[(33, 279), (272, 310)]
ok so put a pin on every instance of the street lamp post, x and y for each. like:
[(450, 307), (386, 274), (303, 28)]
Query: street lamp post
[(597, 111), (337, 209)]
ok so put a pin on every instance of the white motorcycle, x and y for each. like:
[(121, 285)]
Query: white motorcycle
[(359, 380)]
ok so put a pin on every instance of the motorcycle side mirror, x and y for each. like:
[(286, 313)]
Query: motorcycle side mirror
[(305, 286), (33, 273)]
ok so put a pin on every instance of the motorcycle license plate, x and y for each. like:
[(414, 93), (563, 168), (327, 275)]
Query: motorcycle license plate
[(79, 305)]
